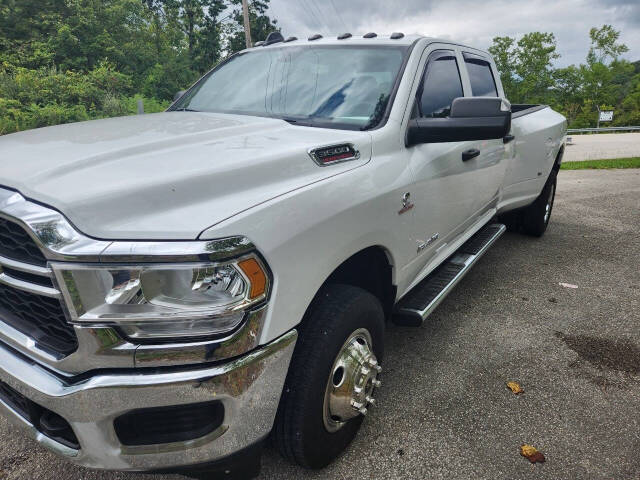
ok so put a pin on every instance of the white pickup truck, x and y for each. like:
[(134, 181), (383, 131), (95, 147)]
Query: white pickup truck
[(176, 288)]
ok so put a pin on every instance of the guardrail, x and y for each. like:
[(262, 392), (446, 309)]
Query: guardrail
[(603, 129)]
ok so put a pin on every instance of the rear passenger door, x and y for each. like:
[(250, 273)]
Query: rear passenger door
[(491, 164)]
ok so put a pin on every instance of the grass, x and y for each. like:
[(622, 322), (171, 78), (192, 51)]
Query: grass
[(633, 162)]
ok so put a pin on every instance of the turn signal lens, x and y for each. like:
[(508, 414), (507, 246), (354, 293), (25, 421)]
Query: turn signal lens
[(257, 277)]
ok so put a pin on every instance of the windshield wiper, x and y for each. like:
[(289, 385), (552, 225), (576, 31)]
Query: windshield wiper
[(296, 121), (185, 109)]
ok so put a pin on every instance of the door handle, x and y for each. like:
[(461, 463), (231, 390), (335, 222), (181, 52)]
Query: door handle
[(508, 138), (469, 154)]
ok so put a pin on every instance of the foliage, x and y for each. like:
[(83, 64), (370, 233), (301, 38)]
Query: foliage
[(70, 60), (603, 82)]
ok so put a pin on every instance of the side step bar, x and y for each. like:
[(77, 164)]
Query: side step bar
[(415, 307)]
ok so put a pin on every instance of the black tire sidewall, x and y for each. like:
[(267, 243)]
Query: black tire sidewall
[(336, 314), (534, 223)]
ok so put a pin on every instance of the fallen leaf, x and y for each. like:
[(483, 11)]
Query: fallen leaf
[(531, 453), (515, 387), (568, 285)]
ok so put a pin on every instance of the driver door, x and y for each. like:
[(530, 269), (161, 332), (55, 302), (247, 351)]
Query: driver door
[(443, 189)]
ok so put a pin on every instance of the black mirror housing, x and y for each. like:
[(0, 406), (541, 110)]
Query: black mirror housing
[(471, 118)]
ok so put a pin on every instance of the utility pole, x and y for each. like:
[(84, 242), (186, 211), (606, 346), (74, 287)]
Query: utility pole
[(247, 26)]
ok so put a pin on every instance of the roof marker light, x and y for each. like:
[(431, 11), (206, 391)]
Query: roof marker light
[(273, 37), (317, 36), (370, 35), (291, 39), (344, 36), (396, 35)]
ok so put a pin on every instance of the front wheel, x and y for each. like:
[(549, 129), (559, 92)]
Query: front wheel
[(332, 377)]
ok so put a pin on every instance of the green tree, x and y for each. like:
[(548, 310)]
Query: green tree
[(535, 54), (261, 24), (604, 45), (504, 55)]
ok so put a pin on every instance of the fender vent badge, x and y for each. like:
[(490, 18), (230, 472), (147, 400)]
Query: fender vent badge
[(332, 154)]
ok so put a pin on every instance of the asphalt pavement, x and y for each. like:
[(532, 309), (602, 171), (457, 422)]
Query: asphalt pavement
[(444, 411)]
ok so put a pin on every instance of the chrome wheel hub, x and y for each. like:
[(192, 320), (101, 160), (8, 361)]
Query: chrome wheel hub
[(547, 207), (352, 381)]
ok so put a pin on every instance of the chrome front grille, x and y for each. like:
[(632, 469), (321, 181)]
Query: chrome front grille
[(29, 301)]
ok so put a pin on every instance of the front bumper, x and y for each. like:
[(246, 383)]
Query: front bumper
[(249, 388)]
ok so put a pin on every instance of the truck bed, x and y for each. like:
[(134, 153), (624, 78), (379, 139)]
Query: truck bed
[(521, 109)]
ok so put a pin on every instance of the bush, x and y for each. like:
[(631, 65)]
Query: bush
[(31, 98)]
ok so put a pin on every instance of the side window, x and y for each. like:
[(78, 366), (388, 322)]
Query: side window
[(440, 86), (481, 78)]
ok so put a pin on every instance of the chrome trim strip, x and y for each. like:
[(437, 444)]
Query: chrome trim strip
[(104, 347), (24, 267), (245, 339), (187, 251), (249, 388), (29, 287)]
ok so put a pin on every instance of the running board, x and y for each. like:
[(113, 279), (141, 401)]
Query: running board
[(415, 307)]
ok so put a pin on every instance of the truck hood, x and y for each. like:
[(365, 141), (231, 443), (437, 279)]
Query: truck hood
[(168, 175)]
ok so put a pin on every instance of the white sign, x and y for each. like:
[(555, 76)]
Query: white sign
[(606, 116)]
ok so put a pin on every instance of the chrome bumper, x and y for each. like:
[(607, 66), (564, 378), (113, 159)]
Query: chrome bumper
[(249, 388)]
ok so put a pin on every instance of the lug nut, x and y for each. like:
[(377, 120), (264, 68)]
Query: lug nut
[(363, 411), (378, 368), (372, 362), (370, 400), (376, 383), (365, 371), (357, 405)]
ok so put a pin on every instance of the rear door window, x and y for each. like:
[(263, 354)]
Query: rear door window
[(441, 84), (482, 82)]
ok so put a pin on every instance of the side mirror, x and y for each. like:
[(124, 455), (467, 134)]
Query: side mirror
[(471, 118), (178, 95)]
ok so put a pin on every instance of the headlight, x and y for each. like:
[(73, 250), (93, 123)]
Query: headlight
[(163, 300)]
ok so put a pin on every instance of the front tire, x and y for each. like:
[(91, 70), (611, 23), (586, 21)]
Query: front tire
[(332, 376)]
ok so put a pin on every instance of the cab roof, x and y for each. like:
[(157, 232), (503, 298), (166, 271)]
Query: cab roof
[(366, 39)]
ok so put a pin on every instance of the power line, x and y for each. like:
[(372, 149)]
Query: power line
[(322, 15), (312, 13), (339, 16)]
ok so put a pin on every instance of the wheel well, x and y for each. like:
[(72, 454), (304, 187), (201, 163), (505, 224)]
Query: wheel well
[(370, 270), (556, 165)]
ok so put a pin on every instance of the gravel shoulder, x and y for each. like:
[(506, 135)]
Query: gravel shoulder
[(444, 411)]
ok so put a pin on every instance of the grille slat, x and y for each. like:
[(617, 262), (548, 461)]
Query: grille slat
[(41, 318), (16, 244)]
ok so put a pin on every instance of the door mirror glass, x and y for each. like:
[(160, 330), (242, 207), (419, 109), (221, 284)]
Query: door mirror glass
[(476, 118)]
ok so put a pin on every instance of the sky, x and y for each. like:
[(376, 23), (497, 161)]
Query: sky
[(470, 22)]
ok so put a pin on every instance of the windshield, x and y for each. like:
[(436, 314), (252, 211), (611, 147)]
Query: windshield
[(340, 87)]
